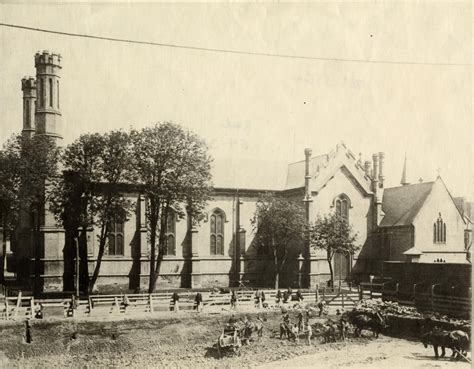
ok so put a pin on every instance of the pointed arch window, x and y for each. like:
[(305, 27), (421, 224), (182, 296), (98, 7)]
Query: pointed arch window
[(342, 204), (171, 234), (28, 114), (217, 232), (41, 92), (51, 92), (116, 238), (439, 230)]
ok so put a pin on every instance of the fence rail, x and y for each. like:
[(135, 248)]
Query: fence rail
[(413, 295), (23, 307)]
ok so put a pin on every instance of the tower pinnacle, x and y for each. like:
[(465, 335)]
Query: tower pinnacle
[(48, 115), (404, 181)]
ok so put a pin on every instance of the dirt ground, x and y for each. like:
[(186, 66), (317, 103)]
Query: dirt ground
[(384, 352), (187, 340)]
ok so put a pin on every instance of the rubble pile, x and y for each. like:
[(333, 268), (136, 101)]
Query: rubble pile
[(394, 309), (386, 307)]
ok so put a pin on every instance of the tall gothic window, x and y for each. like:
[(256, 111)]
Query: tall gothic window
[(116, 238), (439, 230), (217, 233), (171, 234), (342, 204), (41, 92), (50, 92), (27, 112)]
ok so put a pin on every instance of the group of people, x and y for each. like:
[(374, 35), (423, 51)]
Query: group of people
[(281, 297), (293, 331), (287, 296)]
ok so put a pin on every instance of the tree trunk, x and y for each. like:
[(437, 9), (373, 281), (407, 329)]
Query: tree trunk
[(37, 252), (154, 213), (161, 242), (329, 258), (277, 271), (84, 263), (102, 241), (3, 253)]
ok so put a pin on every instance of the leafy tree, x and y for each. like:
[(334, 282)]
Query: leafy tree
[(27, 167), (97, 169), (279, 226), (333, 234), (9, 195), (173, 169)]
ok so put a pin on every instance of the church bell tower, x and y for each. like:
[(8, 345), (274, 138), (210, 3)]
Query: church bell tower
[(47, 114)]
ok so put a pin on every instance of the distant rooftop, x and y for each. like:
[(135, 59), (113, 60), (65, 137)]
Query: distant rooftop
[(402, 204)]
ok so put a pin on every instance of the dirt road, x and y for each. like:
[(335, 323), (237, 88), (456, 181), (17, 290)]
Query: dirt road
[(184, 341), (384, 352)]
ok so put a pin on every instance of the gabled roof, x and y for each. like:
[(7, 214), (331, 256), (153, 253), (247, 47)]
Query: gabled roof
[(323, 168), (295, 176), (402, 204)]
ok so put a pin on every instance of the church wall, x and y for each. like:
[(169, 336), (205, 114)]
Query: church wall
[(359, 217), (222, 270), (439, 201), (399, 240)]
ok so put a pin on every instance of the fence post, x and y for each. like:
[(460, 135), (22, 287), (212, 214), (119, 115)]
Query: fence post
[(6, 307), (359, 290), (396, 291), (150, 301), (339, 286), (324, 293), (414, 294), (342, 301), (18, 304), (317, 292), (32, 307), (451, 297), (89, 301), (432, 297)]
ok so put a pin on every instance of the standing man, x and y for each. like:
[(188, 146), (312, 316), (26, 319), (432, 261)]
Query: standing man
[(300, 320), (309, 331), (278, 298), (299, 296), (198, 300), (233, 300), (175, 299)]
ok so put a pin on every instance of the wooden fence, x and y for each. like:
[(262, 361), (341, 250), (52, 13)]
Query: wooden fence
[(23, 307), (424, 296)]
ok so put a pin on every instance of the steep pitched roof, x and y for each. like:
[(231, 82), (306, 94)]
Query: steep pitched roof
[(402, 204), (466, 208), (295, 176), (323, 167)]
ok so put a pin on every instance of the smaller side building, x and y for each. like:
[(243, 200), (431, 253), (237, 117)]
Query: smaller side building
[(421, 223)]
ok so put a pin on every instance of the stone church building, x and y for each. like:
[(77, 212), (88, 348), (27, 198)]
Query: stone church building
[(415, 222)]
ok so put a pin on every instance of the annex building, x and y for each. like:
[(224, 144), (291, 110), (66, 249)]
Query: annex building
[(417, 222)]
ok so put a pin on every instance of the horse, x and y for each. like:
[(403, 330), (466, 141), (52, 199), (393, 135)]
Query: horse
[(438, 338), (374, 322)]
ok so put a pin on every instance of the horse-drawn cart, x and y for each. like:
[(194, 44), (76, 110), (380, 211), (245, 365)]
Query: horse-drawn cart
[(229, 342)]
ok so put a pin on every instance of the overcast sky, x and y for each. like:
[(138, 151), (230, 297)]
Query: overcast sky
[(258, 113)]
